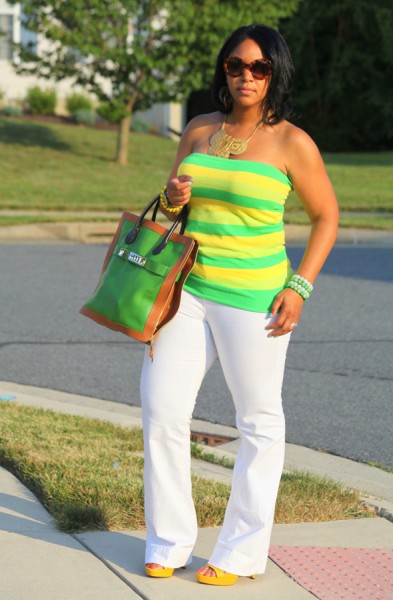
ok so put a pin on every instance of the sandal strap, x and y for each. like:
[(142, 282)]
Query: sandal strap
[(219, 572)]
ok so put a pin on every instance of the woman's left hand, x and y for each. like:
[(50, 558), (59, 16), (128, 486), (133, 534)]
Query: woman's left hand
[(288, 306)]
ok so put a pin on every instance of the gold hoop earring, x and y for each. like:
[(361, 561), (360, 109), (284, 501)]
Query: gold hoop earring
[(225, 97)]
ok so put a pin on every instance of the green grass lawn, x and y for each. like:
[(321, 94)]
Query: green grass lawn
[(63, 167), (89, 475), (363, 182)]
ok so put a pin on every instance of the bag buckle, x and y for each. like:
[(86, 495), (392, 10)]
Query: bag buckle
[(133, 257)]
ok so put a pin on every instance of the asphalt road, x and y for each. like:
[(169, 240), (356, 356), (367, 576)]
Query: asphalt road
[(338, 387)]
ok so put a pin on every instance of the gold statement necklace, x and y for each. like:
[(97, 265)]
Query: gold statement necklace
[(222, 144)]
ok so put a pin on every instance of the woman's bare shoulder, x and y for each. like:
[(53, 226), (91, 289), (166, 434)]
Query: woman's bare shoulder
[(296, 139), (297, 146), (300, 153), (200, 127), (206, 120)]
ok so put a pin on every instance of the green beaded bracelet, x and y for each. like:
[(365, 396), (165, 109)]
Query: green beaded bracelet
[(303, 282), (305, 294)]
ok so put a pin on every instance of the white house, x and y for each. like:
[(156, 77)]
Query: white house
[(13, 87)]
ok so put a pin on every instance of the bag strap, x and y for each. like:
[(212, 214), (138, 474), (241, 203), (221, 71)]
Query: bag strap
[(181, 218)]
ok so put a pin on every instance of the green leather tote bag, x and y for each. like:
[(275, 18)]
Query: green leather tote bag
[(143, 275)]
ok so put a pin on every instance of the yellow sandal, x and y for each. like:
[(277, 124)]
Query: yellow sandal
[(221, 578)]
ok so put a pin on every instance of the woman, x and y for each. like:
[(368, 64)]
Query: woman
[(234, 168)]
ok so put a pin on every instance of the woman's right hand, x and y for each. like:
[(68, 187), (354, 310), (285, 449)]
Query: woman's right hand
[(178, 190)]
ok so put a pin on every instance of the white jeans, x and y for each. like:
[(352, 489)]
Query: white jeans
[(253, 365)]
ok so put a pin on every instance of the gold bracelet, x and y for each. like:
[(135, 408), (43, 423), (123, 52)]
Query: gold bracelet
[(165, 204)]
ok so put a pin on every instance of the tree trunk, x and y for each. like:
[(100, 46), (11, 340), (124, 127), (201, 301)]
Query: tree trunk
[(122, 140)]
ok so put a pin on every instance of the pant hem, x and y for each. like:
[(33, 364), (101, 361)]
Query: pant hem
[(172, 558), (237, 563)]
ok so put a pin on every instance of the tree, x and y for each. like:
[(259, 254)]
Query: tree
[(134, 53), (344, 71)]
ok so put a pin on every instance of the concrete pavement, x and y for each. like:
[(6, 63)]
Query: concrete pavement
[(39, 561)]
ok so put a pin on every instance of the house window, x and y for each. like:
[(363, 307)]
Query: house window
[(28, 39), (6, 29)]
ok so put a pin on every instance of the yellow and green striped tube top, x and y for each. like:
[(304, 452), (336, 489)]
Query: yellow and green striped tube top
[(236, 215)]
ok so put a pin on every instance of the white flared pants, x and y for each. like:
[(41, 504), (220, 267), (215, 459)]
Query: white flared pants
[(253, 366)]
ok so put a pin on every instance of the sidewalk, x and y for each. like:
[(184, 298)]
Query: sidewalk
[(102, 232), (350, 560)]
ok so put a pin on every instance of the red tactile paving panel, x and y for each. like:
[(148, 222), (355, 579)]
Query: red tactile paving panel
[(338, 573)]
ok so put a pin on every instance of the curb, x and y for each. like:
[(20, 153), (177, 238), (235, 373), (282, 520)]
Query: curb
[(102, 232), (59, 232), (383, 509)]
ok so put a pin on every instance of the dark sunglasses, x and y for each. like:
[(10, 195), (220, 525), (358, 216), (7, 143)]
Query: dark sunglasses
[(259, 69)]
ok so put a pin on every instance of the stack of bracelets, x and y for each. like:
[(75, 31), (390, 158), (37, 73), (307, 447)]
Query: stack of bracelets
[(301, 285), (165, 203)]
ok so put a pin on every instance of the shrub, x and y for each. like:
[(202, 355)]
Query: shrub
[(85, 116), (11, 111), (75, 102), (41, 102), (111, 112), (140, 126)]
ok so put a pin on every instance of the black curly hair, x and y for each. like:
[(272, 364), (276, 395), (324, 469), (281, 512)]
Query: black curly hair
[(277, 104)]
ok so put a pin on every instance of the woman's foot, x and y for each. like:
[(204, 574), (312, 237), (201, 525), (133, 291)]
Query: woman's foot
[(208, 571), (156, 570), (214, 576)]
